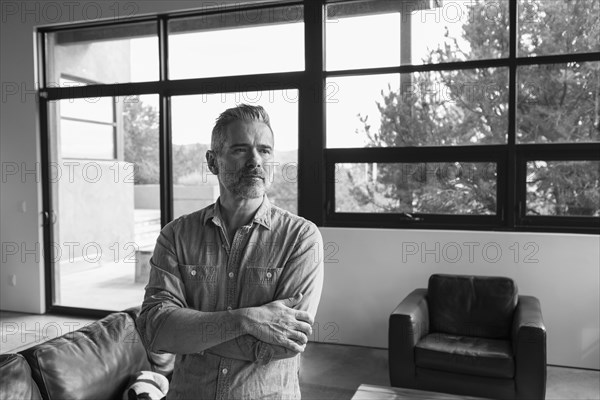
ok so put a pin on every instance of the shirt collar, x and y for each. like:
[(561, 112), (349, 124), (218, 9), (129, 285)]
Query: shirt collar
[(262, 216)]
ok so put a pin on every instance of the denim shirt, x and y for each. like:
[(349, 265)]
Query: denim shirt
[(194, 266)]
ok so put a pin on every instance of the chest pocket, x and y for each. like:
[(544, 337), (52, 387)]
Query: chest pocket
[(203, 273), (200, 283), (262, 276), (259, 286)]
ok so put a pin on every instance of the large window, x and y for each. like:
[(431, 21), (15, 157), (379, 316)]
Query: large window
[(480, 114), (433, 114)]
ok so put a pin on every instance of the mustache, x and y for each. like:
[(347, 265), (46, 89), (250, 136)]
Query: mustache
[(254, 173)]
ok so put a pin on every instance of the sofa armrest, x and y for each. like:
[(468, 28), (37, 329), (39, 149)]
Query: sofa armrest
[(409, 322), (529, 347), (93, 362), (15, 379)]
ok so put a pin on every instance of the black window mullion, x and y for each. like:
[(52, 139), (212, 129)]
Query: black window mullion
[(508, 177), (164, 130), (163, 49), (417, 154), (311, 144), (46, 201), (273, 81), (41, 59)]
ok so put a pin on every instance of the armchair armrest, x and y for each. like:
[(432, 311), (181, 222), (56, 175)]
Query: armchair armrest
[(409, 322), (529, 347)]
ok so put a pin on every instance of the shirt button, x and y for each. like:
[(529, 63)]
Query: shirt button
[(229, 308), (224, 371), (231, 274), (269, 275), (193, 272)]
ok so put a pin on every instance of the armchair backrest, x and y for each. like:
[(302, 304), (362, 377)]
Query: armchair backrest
[(467, 305)]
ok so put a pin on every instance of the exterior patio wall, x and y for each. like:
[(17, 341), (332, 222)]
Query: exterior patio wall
[(186, 199), (95, 209)]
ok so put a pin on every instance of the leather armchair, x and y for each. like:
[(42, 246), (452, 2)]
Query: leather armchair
[(469, 335)]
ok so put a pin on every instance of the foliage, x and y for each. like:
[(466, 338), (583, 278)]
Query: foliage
[(140, 126), (556, 103)]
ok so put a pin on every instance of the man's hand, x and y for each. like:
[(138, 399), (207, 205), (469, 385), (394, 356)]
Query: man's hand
[(280, 324)]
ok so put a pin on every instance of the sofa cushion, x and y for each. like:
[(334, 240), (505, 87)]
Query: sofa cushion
[(94, 362), (466, 355), (478, 306), (15, 379)]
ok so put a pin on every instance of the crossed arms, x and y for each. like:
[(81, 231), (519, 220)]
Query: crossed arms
[(279, 329)]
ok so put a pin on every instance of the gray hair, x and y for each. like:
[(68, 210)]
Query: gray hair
[(242, 112)]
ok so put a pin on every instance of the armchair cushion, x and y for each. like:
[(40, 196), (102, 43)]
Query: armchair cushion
[(466, 355), (478, 306)]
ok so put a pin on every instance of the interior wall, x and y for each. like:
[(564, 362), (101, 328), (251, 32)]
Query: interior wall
[(369, 271), (366, 276)]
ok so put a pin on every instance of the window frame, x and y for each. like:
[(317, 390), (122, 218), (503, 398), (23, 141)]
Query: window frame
[(316, 169), (491, 154), (564, 152), (510, 178), (165, 89)]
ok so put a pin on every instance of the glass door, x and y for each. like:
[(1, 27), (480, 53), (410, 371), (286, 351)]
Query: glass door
[(104, 178)]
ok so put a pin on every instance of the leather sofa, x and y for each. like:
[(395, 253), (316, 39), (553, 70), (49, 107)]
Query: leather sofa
[(94, 362), (469, 335)]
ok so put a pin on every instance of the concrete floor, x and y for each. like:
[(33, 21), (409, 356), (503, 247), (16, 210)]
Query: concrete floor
[(336, 371), (329, 371)]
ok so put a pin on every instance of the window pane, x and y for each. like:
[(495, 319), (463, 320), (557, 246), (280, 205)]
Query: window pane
[(383, 33), (111, 54), (108, 211), (459, 31), (87, 140), (437, 108), (237, 43), (350, 41), (193, 118), (566, 188), (558, 103), (553, 27), (433, 188)]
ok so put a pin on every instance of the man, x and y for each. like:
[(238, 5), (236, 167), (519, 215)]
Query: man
[(234, 287)]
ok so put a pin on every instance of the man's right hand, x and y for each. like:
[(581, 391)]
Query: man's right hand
[(280, 324)]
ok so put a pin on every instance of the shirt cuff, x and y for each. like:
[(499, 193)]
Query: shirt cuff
[(264, 353)]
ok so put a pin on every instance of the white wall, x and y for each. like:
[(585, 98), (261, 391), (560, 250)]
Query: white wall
[(369, 271), (370, 277)]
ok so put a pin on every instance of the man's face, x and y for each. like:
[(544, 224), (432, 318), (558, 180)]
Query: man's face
[(245, 165)]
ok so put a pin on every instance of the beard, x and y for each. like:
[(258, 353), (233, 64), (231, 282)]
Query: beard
[(247, 183)]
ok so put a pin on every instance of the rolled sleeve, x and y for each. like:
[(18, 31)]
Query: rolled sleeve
[(304, 271), (165, 291)]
